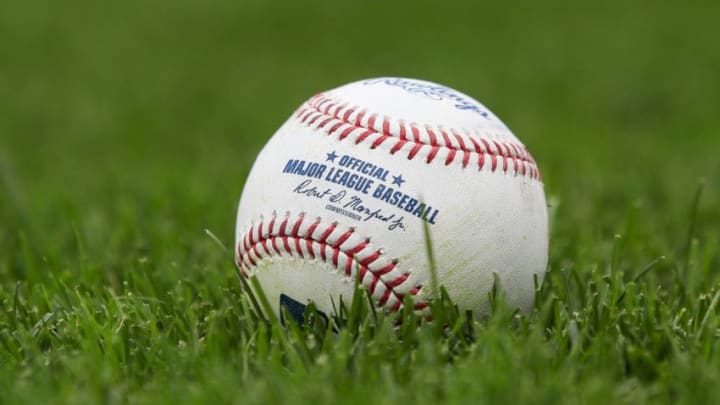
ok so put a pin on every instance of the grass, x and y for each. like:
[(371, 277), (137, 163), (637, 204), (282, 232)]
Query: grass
[(126, 131)]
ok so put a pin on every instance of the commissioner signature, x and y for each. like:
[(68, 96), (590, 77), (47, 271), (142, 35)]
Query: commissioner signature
[(350, 206), (356, 204)]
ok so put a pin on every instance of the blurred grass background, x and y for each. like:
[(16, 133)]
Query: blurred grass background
[(127, 128), (107, 108)]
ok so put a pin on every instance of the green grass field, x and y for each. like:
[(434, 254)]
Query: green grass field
[(128, 128)]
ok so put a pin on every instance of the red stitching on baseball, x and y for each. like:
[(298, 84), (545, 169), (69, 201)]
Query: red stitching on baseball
[(371, 122), (325, 122), (386, 127), (346, 132), (322, 101), (433, 137), (335, 127), (416, 134), (358, 119), (398, 280), (363, 136), (515, 157), (379, 141), (450, 157), (385, 297), (478, 148), (415, 150), (397, 146), (434, 151), (403, 134), (373, 285), (248, 254)]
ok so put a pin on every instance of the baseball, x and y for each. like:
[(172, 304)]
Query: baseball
[(344, 189)]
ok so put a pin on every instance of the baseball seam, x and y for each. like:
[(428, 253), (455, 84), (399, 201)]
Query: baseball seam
[(331, 244), (337, 117)]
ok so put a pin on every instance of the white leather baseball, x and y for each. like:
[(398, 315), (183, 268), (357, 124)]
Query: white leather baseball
[(344, 186)]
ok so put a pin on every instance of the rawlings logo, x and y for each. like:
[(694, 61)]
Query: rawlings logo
[(433, 91)]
